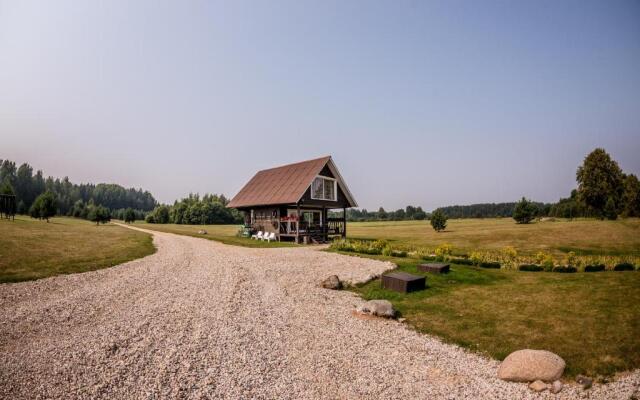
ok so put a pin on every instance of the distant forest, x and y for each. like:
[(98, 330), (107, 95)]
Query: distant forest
[(71, 198), (603, 191), (489, 210)]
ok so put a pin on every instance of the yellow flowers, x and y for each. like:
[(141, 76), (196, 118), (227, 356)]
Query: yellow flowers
[(443, 250)]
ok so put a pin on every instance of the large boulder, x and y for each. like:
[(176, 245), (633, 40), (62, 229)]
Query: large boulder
[(332, 282), (531, 365), (379, 308)]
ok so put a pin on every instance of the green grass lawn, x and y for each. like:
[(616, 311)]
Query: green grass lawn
[(221, 233), (33, 249), (592, 320), (583, 236)]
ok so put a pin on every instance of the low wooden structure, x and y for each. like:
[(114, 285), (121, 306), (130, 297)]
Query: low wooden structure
[(297, 202), (403, 282), (437, 268), (7, 206)]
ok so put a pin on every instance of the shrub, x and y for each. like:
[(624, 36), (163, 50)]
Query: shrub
[(489, 264), (547, 263), (565, 269), (44, 206), (399, 253), (530, 267), (387, 251), (443, 250), (98, 214), (129, 215), (594, 268), (476, 257), (625, 266), (571, 258), (461, 261), (540, 257)]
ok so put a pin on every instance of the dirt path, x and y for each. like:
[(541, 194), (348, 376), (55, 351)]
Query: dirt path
[(199, 319)]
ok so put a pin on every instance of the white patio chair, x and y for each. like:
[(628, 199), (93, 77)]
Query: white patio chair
[(258, 236), (270, 237)]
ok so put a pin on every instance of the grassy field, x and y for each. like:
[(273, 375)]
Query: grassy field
[(32, 249), (220, 233), (592, 320), (584, 237)]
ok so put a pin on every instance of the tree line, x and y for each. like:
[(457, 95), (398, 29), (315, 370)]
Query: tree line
[(603, 191), (195, 210), (401, 214), (66, 198)]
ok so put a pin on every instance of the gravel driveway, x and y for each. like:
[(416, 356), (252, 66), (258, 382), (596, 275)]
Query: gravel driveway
[(199, 319)]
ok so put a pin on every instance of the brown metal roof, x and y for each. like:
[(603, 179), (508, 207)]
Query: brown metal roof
[(280, 185)]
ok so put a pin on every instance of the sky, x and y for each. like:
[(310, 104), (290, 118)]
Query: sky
[(418, 102)]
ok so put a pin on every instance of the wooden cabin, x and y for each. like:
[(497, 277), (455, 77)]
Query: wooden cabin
[(303, 202)]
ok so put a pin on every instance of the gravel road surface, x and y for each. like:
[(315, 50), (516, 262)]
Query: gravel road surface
[(200, 319)]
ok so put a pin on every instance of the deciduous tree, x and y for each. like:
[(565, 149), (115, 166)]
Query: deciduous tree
[(599, 178)]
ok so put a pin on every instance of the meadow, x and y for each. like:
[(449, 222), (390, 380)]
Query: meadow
[(554, 236), (226, 234), (590, 319), (33, 249)]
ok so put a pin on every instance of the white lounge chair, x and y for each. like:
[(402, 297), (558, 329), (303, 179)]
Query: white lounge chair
[(257, 236), (269, 237)]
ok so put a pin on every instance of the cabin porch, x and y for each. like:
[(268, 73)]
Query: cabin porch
[(301, 225)]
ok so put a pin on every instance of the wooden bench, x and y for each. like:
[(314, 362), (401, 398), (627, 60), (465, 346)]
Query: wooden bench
[(437, 268), (403, 282)]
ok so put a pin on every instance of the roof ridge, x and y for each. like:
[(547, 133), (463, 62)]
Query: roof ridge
[(295, 163)]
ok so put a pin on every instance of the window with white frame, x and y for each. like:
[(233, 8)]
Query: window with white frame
[(324, 188)]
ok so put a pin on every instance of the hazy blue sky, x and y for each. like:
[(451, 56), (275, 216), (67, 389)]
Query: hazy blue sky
[(428, 103)]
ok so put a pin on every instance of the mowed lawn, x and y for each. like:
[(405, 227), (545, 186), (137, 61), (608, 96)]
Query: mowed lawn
[(592, 320), (583, 236), (221, 233), (33, 249)]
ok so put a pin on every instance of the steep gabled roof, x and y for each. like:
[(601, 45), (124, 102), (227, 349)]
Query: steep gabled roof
[(286, 184)]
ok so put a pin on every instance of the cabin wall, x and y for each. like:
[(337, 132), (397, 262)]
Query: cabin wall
[(265, 218), (341, 202)]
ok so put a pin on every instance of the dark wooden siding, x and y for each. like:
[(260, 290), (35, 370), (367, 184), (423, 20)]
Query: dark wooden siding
[(340, 203)]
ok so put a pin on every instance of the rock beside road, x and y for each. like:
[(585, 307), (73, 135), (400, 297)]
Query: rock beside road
[(531, 365), (379, 308), (332, 282), (538, 386), (556, 387), (584, 381)]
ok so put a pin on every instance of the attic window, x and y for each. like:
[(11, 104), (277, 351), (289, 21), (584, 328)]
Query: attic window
[(324, 188)]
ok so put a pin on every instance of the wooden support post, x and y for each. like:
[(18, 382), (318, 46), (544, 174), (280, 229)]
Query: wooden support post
[(298, 223), (344, 222)]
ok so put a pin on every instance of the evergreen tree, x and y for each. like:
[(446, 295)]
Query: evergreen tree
[(438, 220), (524, 212), (609, 211), (129, 215)]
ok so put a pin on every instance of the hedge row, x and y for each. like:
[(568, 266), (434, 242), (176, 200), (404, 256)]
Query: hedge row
[(530, 267)]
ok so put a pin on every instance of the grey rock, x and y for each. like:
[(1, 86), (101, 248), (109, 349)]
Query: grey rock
[(332, 282), (379, 308), (584, 381), (530, 365), (556, 387)]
